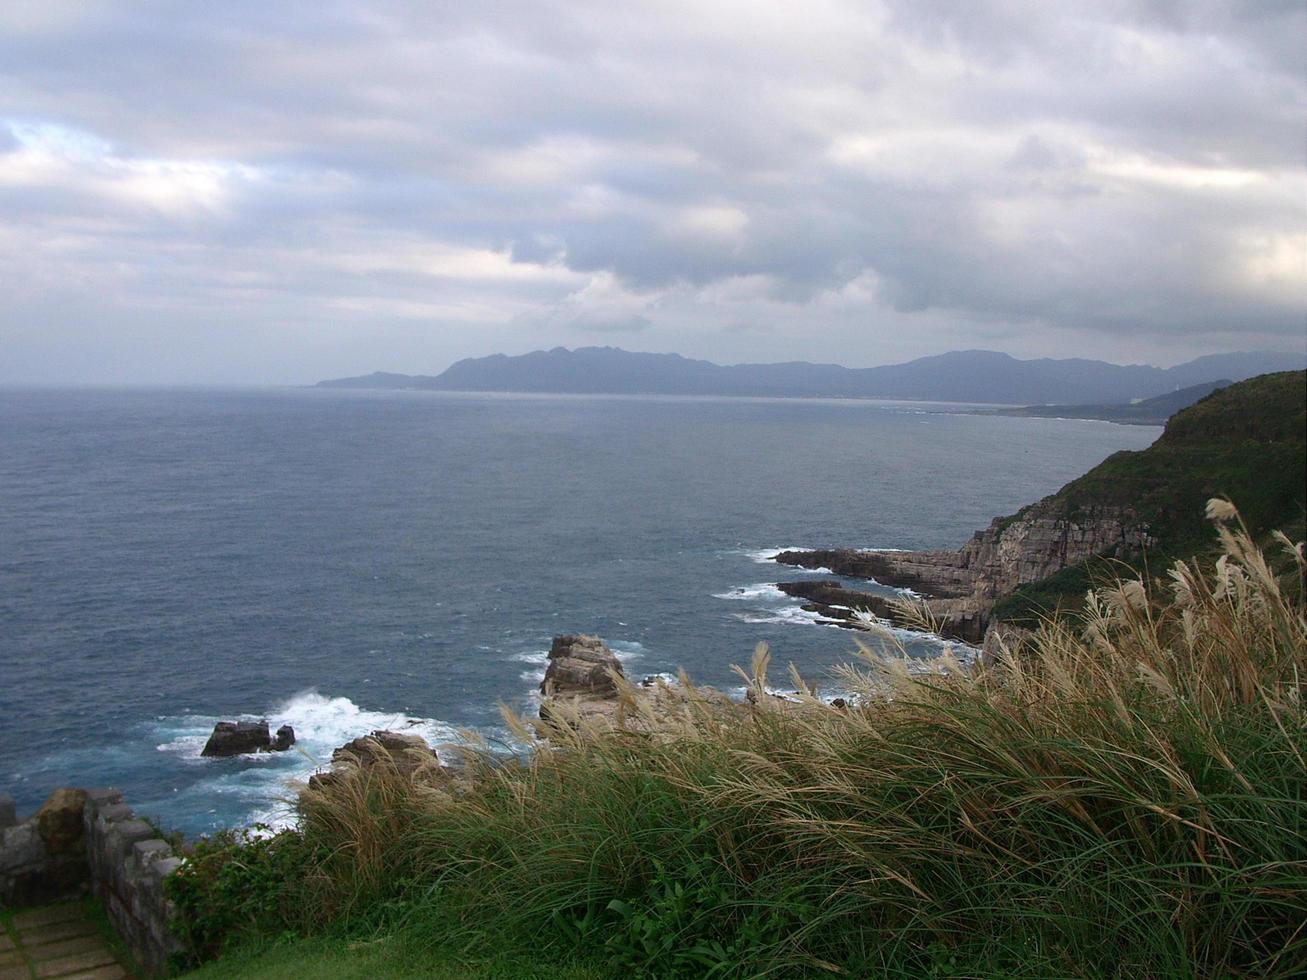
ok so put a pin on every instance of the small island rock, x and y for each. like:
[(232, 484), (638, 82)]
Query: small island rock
[(243, 737), (580, 664), (284, 738), (237, 738)]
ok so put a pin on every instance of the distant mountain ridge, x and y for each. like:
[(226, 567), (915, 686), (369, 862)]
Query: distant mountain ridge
[(958, 376)]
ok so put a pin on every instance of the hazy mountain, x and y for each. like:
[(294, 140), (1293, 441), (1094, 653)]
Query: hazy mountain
[(959, 376), (1149, 411)]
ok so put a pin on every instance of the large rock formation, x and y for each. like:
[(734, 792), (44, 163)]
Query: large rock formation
[(958, 588), (408, 754), (580, 665), (581, 685), (243, 737)]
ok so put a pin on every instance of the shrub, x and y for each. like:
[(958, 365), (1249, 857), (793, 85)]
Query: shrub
[(238, 885)]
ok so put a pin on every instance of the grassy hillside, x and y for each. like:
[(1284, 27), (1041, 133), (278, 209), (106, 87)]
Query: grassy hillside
[(1246, 442)]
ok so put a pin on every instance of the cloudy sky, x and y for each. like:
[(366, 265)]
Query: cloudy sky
[(279, 192)]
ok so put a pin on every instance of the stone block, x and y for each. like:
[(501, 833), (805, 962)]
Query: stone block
[(20, 847), (78, 963), (102, 796), (166, 866), (125, 833), (40, 950), (148, 851), (8, 811)]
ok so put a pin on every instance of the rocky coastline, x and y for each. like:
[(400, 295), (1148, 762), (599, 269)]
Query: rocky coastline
[(957, 590)]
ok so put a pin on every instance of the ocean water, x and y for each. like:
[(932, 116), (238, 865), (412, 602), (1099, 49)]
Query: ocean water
[(344, 561)]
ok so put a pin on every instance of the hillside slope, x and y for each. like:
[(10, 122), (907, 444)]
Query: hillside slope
[(1247, 442)]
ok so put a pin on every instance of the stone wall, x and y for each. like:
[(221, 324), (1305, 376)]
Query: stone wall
[(84, 839)]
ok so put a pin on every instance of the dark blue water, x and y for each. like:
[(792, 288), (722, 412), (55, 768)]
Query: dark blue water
[(347, 560)]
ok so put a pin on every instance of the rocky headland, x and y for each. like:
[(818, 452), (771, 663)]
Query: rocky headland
[(1244, 441), (958, 589)]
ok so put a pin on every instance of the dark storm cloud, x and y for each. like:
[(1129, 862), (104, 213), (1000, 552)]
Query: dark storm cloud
[(1096, 178)]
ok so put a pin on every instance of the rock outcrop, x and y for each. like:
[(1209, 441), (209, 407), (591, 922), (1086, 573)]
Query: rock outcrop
[(954, 619), (581, 678), (284, 738), (409, 755), (244, 737), (581, 685), (959, 588), (580, 664)]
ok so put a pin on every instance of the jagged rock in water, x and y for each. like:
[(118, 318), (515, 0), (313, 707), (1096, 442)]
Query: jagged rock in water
[(410, 755), (405, 752), (954, 619), (238, 738), (580, 664), (284, 738)]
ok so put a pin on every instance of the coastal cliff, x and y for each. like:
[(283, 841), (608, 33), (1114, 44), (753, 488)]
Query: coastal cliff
[(1245, 442), (959, 588)]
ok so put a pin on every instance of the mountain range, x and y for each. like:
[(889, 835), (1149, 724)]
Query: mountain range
[(959, 376)]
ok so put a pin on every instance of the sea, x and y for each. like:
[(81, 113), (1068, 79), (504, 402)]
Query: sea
[(349, 560)]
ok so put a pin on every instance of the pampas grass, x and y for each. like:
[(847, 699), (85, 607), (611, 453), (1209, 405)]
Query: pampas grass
[(1124, 794)]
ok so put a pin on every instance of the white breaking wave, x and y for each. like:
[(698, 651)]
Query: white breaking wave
[(264, 782), (786, 614), (763, 590), (764, 556)]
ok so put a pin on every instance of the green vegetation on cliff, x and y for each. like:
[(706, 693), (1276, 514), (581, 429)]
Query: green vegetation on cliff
[(1246, 442), (1124, 796)]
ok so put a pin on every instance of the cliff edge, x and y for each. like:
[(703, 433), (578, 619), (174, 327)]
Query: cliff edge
[(1247, 442)]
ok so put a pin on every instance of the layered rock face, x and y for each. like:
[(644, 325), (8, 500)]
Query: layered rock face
[(960, 587), (580, 664), (579, 676), (580, 687)]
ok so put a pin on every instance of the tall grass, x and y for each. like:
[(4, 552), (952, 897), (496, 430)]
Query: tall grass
[(1122, 795)]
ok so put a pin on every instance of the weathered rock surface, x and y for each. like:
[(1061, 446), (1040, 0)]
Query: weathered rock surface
[(405, 752), (59, 822), (284, 738), (955, 619), (580, 664), (960, 587), (243, 737), (410, 755), (580, 681)]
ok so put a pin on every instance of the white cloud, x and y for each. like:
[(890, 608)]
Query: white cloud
[(883, 179)]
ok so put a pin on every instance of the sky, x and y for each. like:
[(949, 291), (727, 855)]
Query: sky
[(253, 192)]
